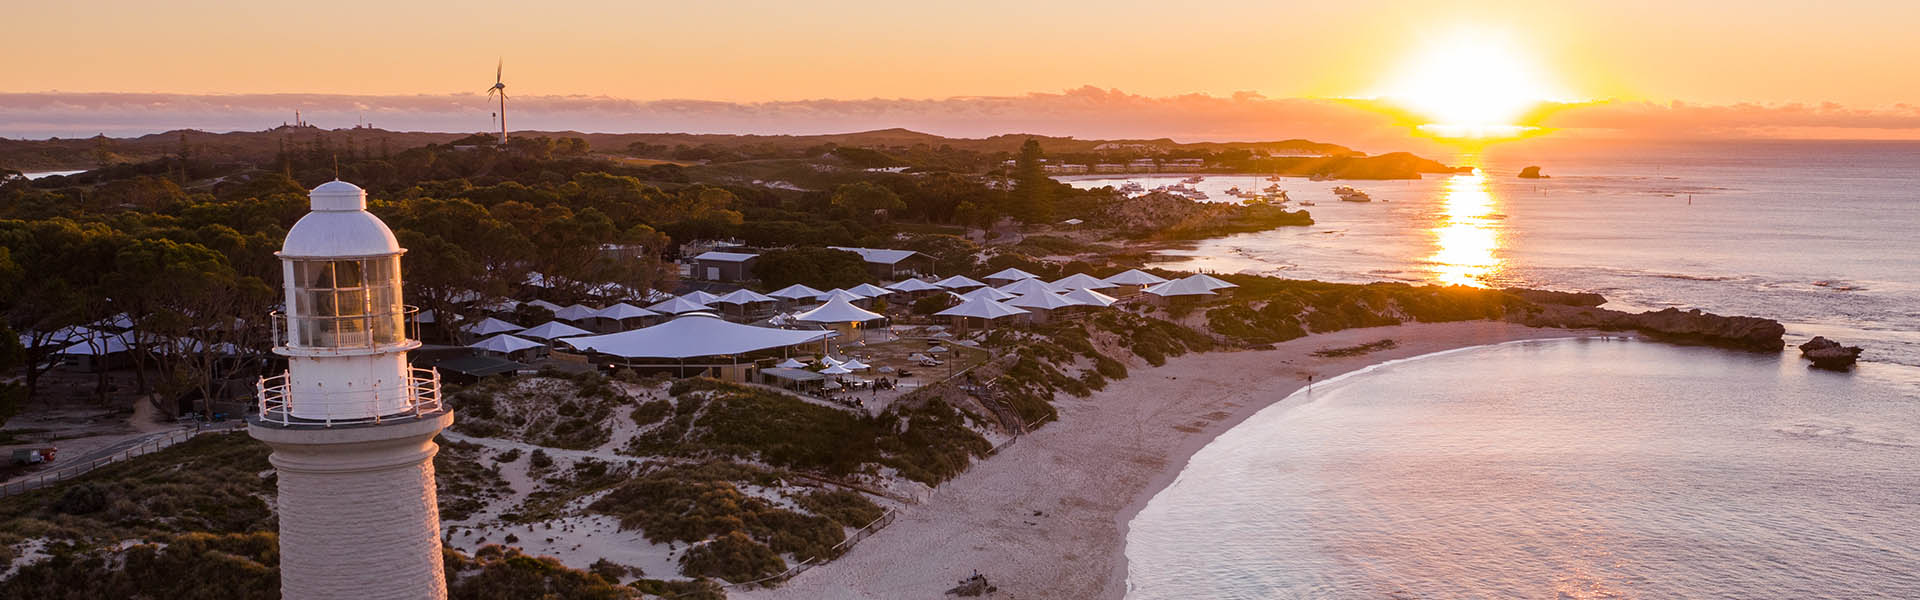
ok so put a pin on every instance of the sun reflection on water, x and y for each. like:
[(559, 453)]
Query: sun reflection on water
[(1467, 234)]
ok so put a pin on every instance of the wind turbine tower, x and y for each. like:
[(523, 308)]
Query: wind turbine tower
[(351, 424), (500, 87)]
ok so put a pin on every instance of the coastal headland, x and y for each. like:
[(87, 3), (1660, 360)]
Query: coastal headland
[(1046, 517)]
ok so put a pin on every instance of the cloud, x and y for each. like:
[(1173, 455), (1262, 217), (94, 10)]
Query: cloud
[(1085, 112)]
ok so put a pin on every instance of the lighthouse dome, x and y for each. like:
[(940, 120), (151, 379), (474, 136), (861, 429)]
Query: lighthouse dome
[(339, 226)]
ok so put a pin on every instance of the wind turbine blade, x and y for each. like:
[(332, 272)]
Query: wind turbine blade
[(499, 68)]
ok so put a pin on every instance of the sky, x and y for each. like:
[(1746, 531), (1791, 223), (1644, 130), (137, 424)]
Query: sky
[(1851, 58)]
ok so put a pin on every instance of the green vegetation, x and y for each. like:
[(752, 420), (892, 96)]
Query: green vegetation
[(504, 573), (211, 483), (198, 566), (1356, 350), (557, 411), (464, 483), (818, 268), (1266, 310)]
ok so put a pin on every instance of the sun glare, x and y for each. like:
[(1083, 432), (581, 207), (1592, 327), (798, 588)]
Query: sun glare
[(1469, 84)]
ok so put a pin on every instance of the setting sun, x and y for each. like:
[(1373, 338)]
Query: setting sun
[(1469, 84)]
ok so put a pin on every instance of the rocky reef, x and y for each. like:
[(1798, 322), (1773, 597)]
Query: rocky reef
[(1168, 216), (1532, 172), (1829, 354), (1561, 298), (1746, 333)]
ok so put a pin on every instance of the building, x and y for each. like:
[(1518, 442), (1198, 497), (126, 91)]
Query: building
[(892, 264), (1143, 165), (1109, 168), (1184, 164), (1063, 169), (351, 424), (715, 265)]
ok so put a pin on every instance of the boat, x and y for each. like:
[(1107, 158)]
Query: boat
[(1193, 179), (1307, 203), (1272, 188), (1274, 178), (1233, 191), (1320, 177), (1348, 194), (1132, 187)]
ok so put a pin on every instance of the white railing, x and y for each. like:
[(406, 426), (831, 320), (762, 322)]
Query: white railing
[(418, 395)]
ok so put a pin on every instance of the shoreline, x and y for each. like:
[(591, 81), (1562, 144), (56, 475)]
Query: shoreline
[(1048, 516)]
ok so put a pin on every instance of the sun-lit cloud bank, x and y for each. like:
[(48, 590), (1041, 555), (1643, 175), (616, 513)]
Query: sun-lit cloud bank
[(1085, 112)]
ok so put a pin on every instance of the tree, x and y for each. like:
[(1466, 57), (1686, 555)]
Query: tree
[(820, 268), (867, 202), (1032, 189)]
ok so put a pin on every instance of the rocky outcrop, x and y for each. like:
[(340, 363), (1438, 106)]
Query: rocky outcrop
[(1746, 333), (1532, 173), (1561, 298), (1175, 217), (1829, 354)]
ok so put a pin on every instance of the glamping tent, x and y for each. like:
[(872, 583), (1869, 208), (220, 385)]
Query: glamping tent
[(693, 345), (979, 309), (1180, 287), (1029, 287), (1040, 305), (490, 326), (507, 345), (747, 305), (576, 313), (1133, 280), (1212, 283), (958, 282), (987, 293), (551, 330), (621, 316), (1010, 275), (1082, 281), (841, 316), (700, 297), (679, 306), (1087, 297)]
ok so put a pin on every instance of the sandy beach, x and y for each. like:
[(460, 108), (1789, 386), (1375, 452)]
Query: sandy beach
[(1047, 517)]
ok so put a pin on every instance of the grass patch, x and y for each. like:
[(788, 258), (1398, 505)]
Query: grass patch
[(1356, 350)]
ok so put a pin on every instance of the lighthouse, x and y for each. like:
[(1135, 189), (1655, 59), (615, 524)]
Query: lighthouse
[(351, 424)]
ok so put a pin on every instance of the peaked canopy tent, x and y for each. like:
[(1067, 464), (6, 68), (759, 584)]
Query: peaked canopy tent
[(1180, 287), (1082, 281), (1134, 277), (796, 292), (1133, 280), (987, 293), (506, 344), (679, 306), (958, 282), (1010, 275), (551, 330), (1041, 304), (839, 294), (700, 297), (981, 309), (1212, 283), (490, 326), (870, 290), (912, 286), (1029, 287), (694, 344), (576, 313), (842, 317), (546, 305), (623, 311), (1087, 297), (747, 305)]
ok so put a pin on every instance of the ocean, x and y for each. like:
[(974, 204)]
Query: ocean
[(1582, 468), (1822, 236), (1551, 469)]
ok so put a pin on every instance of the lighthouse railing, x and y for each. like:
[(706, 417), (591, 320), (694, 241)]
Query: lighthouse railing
[(278, 402)]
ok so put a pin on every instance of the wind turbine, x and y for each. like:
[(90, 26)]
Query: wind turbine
[(500, 87)]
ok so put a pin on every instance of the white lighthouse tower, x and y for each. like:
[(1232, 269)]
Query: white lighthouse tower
[(351, 423)]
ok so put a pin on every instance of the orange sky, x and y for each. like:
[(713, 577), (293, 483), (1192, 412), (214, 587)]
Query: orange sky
[(1860, 54)]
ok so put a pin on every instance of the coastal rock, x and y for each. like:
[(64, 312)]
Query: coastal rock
[(1176, 217), (1829, 354), (1746, 333), (1532, 172), (1561, 298)]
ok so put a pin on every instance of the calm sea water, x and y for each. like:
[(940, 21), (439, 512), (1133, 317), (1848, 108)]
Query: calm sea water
[(1552, 469), (1824, 236)]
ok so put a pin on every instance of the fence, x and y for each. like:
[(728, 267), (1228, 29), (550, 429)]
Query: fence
[(40, 480), (840, 548)]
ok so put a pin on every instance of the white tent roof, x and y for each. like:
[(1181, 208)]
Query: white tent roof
[(1029, 287), (97, 344), (837, 293), (837, 310), (623, 311), (1044, 301), (1011, 274), (1135, 277), (1082, 281), (911, 285), (854, 364), (504, 343), (546, 305), (700, 296), (678, 305), (836, 370), (1212, 283), (987, 293), (490, 326), (575, 312), (791, 363), (1087, 297), (796, 292), (426, 316), (552, 330), (869, 290), (957, 282), (742, 296), (694, 335), (1180, 287), (63, 336), (985, 309), (829, 360)]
